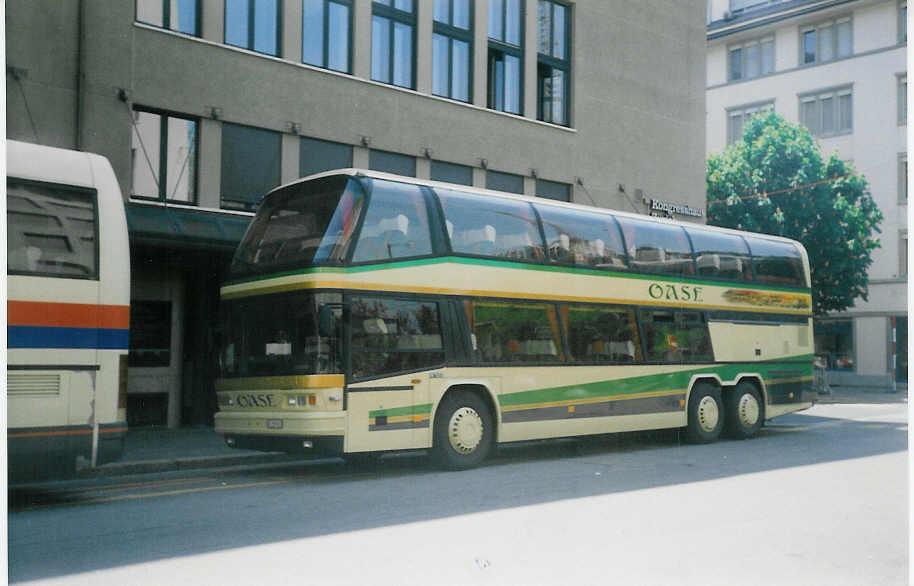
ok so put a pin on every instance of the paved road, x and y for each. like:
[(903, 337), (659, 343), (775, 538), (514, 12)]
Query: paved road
[(819, 497)]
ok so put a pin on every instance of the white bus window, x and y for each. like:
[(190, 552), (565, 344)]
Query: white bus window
[(396, 224), (721, 256), (583, 239), (51, 230), (491, 227), (657, 248)]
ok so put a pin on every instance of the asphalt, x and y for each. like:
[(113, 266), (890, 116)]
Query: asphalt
[(162, 449)]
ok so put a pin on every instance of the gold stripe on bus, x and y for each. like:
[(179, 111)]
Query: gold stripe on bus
[(253, 289), (279, 383), (604, 399)]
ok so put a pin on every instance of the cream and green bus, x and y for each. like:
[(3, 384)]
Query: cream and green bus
[(370, 313)]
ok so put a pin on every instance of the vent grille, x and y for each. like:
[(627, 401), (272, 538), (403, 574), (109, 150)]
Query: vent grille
[(32, 384)]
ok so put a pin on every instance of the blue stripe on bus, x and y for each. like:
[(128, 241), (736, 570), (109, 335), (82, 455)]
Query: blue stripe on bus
[(57, 337)]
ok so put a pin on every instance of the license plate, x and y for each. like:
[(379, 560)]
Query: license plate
[(274, 423)]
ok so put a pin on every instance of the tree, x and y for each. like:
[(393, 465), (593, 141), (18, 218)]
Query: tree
[(774, 181)]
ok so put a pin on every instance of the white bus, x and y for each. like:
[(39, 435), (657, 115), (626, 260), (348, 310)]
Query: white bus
[(371, 312), (68, 311)]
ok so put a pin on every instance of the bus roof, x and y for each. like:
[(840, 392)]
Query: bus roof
[(369, 174)]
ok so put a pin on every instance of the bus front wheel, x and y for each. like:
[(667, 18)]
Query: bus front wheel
[(706, 414), (745, 411), (464, 431)]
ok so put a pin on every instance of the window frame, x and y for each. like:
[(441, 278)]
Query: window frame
[(251, 40), (902, 22), (552, 62), (817, 97), (816, 28), (500, 47), (93, 198), (744, 111), (903, 178), (395, 15), (325, 50), (902, 97), (166, 17), (162, 171), (454, 33), (742, 47)]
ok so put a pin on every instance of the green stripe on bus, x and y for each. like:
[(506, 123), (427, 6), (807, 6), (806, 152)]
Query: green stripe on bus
[(517, 266)]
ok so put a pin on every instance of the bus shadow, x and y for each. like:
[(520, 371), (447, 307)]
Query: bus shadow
[(273, 503)]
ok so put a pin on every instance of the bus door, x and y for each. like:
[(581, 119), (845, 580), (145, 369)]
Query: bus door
[(395, 343)]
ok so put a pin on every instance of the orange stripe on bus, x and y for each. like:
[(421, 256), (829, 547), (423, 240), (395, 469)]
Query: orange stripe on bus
[(74, 315)]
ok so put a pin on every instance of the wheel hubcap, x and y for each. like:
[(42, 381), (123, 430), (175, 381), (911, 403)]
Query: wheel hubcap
[(465, 430), (708, 414), (748, 409)]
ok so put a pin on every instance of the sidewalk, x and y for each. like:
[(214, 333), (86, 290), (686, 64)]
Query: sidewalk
[(160, 449)]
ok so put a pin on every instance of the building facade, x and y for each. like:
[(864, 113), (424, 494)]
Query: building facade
[(840, 68), (202, 106)]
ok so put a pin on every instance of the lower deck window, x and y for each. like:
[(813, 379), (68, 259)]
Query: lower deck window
[(514, 332), (676, 336)]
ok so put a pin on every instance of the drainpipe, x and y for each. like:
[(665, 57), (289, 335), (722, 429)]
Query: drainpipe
[(79, 74)]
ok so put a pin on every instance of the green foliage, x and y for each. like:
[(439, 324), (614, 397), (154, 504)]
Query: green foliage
[(774, 181)]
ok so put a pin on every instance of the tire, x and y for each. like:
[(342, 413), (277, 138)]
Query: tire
[(706, 414), (464, 431), (745, 411)]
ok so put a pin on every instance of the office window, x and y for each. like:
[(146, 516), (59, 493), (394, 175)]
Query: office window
[(254, 25), (316, 155), (504, 182), (742, 5), (392, 163), (451, 49), (553, 190), (393, 39), (826, 41), (902, 22), (902, 99), (828, 113), (903, 253), (326, 34), (250, 165), (451, 173), (176, 15), (739, 116), (164, 156), (903, 178), (751, 59), (553, 68), (505, 55)]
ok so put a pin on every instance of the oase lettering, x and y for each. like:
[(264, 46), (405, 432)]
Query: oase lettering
[(252, 400), (674, 292)]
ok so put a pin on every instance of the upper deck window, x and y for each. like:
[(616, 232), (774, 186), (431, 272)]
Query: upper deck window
[(396, 224), (491, 226), (777, 263), (305, 224), (51, 230), (720, 256), (657, 248), (582, 238)]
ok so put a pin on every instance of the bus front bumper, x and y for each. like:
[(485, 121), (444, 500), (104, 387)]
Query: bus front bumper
[(318, 432)]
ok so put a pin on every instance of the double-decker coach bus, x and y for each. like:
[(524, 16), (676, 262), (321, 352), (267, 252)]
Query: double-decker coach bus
[(369, 312), (68, 308)]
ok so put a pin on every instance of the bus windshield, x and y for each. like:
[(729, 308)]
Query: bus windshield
[(280, 335), (305, 224)]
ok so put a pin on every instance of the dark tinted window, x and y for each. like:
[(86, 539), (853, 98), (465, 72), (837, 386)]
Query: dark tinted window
[(657, 248), (601, 334), (396, 224), (51, 230), (321, 155), (451, 173), (553, 190), (721, 256), (777, 263), (582, 238), (491, 226), (498, 181), (394, 335), (514, 332), (676, 336), (392, 163), (250, 165)]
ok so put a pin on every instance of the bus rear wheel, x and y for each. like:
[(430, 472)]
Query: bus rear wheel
[(706, 414), (745, 411), (464, 431)]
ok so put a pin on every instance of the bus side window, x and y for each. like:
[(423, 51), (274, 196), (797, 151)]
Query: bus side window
[(657, 248), (776, 263), (515, 331), (582, 239), (720, 255), (601, 334), (396, 224)]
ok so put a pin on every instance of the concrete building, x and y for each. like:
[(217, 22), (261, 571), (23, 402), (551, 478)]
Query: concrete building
[(839, 67), (204, 105)]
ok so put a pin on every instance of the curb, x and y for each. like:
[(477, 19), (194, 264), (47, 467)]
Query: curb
[(175, 464)]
